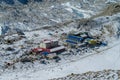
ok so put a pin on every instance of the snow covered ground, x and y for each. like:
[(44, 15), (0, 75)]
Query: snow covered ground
[(80, 62), (108, 59), (79, 12)]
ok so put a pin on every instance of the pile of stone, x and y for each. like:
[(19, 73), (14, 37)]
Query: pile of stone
[(99, 75)]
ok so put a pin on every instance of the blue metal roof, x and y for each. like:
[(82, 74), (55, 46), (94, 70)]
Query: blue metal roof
[(72, 37), (70, 41)]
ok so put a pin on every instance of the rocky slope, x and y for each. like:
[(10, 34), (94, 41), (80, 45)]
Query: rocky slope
[(50, 12), (50, 19), (99, 75)]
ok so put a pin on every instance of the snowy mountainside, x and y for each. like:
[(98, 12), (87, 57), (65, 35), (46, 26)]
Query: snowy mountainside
[(46, 13), (24, 27)]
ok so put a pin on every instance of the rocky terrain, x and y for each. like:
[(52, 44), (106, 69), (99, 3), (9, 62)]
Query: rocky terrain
[(99, 75), (30, 16), (26, 24)]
